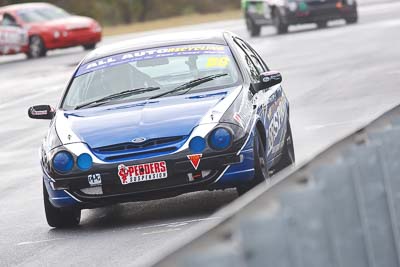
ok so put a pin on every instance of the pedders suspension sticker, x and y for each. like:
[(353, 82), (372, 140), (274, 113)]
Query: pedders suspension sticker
[(142, 172)]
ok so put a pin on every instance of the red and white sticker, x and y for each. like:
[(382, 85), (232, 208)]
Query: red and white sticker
[(142, 172), (195, 160), (238, 119)]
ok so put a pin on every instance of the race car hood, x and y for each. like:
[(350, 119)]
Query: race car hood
[(117, 124), (68, 23)]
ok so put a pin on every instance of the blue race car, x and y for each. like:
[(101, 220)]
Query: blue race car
[(159, 116)]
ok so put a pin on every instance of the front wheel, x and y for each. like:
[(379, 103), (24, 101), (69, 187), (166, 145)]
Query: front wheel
[(36, 47), (352, 20), (280, 26), (253, 28), (261, 173), (60, 217)]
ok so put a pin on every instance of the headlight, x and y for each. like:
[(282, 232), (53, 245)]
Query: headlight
[(220, 139), (63, 162), (84, 162), (56, 34), (197, 144)]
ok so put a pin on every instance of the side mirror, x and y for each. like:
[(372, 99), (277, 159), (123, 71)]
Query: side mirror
[(267, 80), (42, 112)]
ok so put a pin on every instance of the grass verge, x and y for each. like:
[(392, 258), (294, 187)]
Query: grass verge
[(171, 22)]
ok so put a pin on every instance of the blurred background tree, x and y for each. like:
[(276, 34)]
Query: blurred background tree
[(112, 12)]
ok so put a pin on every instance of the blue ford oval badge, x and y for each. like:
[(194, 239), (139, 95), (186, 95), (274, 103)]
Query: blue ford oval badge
[(139, 140)]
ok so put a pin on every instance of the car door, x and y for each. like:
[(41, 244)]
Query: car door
[(12, 37), (277, 114), (272, 105)]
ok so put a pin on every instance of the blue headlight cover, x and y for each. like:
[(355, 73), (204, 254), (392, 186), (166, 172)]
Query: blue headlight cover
[(197, 144), (220, 139), (84, 162), (63, 162)]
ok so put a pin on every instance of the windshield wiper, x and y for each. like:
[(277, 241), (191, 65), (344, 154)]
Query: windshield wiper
[(122, 94), (189, 85)]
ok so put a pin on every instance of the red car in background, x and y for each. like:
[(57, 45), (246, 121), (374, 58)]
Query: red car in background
[(50, 27)]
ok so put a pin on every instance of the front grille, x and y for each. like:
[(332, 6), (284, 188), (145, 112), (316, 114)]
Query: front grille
[(152, 147), (143, 153), (147, 144)]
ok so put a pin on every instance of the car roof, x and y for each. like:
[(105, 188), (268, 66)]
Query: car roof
[(160, 40), (16, 7)]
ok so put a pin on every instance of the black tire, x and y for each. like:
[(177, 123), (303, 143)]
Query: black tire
[(60, 218), (253, 28), (260, 166), (352, 19), (322, 24), (280, 26), (89, 46), (36, 47), (288, 156)]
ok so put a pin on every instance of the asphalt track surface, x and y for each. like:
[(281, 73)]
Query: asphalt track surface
[(336, 79)]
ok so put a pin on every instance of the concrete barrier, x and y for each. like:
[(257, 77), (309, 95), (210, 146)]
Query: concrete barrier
[(340, 209)]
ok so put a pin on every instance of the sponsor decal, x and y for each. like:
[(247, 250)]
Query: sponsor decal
[(266, 79), (275, 77), (221, 62), (153, 54), (195, 160), (10, 36), (198, 175), (94, 179), (276, 124), (12, 39), (142, 172), (38, 112), (238, 119), (277, 100), (194, 176)]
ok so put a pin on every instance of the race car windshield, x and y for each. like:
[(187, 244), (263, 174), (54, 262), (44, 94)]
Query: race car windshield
[(165, 68), (42, 14)]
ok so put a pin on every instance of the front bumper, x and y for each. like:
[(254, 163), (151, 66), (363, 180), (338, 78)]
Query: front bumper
[(72, 38), (227, 171)]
